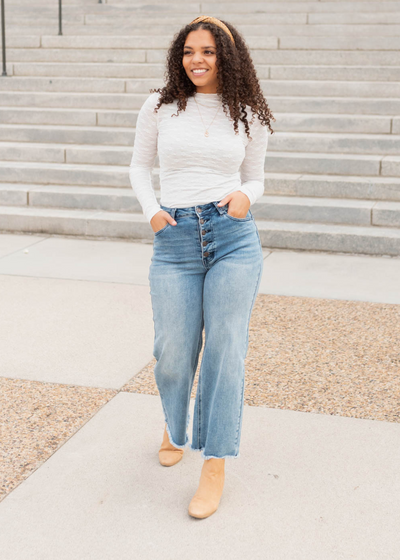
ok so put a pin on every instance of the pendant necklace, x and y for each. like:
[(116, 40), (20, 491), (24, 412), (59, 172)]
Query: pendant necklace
[(206, 129)]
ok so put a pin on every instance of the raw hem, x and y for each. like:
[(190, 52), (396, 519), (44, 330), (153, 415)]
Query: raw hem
[(186, 444), (206, 457)]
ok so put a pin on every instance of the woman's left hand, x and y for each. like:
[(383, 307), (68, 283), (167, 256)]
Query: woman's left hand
[(239, 204)]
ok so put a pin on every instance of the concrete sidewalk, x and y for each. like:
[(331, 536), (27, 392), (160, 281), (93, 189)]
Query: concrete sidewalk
[(292, 273), (306, 486)]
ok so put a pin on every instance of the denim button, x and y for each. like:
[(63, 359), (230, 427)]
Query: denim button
[(203, 232), (198, 208), (204, 243), (202, 221), (206, 254)]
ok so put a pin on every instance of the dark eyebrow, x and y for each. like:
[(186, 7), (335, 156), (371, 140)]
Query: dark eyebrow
[(209, 47)]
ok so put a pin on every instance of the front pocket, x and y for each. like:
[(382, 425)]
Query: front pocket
[(162, 229), (234, 219)]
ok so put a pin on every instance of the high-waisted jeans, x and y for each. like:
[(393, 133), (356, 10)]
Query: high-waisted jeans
[(204, 273)]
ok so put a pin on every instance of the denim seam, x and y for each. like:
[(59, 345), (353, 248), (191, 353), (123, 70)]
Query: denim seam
[(245, 352), (240, 407), (258, 235), (199, 388), (198, 384)]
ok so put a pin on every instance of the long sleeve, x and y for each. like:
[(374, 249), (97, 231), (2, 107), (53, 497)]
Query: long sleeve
[(144, 153), (252, 168)]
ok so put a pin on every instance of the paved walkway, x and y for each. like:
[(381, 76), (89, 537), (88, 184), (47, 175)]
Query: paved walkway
[(76, 315)]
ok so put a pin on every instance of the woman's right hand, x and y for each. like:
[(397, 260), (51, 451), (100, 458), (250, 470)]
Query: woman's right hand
[(160, 219)]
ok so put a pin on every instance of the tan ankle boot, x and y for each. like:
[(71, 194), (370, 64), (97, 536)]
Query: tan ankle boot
[(206, 500), (169, 454)]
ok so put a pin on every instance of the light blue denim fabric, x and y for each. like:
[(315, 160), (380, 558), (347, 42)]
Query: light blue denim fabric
[(204, 272)]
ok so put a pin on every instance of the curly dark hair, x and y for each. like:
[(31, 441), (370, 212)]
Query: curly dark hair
[(238, 81)]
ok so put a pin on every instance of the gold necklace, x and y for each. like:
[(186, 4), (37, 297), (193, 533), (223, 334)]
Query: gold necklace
[(206, 132)]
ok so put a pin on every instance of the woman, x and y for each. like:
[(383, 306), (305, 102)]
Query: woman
[(207, 257)]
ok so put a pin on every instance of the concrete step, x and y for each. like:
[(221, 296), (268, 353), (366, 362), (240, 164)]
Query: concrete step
[(142, 71), (254, 41), (271, 87), (17, 30), (376, 188), (304, 188), (64, 174), (332, 164), (374, 144), (57, 134), (361, 13), (24, 3), (173, 21), (46, 18), (20, 40), (371, 240), (292, 122), (268, 53), (337, 105), (346, 20), (70, 197), (350, 73), (315, 210), (131, 101), (17, 157), (53, 84), (373, 187), (163, 7), (143, 41), (333, 238), (341, 43), (268, 207), (49, 116), (280, 141), (367, 17), (94, 5), (268, 7)]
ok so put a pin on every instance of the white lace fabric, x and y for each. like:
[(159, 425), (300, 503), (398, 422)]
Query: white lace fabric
[(195, 169)]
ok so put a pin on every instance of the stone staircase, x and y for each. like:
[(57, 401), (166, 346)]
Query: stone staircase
[(330, 71)]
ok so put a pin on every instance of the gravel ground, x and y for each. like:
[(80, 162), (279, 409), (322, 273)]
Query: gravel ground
[(317, 355), (36, 419), (305, 354)]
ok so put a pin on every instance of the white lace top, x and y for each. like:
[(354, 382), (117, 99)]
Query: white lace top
[(195, 169)]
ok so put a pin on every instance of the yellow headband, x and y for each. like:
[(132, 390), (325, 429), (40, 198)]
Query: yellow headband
[(216, 21)]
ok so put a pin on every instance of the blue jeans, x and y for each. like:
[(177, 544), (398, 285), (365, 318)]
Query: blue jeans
[(204, 273)]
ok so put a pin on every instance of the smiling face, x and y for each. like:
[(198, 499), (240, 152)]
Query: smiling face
[(200, 53)]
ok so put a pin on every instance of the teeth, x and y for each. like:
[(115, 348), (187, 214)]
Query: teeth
[(199, 71)]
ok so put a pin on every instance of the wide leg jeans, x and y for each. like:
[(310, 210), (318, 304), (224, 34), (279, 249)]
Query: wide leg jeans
[(204, 274)]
